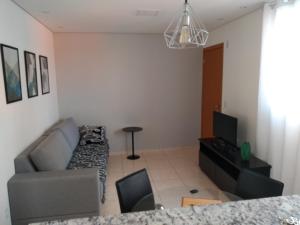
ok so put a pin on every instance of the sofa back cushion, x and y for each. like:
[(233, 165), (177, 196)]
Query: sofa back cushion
[(53, 153), (23, 162), (52, 128), (70, 131)]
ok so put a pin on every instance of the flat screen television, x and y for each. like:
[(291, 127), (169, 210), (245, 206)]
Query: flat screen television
[(225, 127)]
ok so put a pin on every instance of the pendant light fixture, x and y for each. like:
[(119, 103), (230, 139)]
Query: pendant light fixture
[(184, 31)]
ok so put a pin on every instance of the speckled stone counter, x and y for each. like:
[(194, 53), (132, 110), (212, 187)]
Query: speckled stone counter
[(255, 212)]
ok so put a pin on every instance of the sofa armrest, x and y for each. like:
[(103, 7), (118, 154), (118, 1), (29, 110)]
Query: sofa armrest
[(54, 194)]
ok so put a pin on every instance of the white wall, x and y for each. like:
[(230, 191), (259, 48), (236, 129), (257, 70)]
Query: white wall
[(123, 80), (242, 39), (23, 121)]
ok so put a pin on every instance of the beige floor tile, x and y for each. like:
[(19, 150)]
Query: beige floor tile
[(172, 151), (182, 162), (158, 164), (134, 165), (157, 198), (115, 159), (171, 202), (151, 178), (168, 184), (112, 168), (172, 173), (129, 171), (189, 171), (128, 167), (110, 207), (208, 194), (111, 193), (115, 163), (171, 198), (198, 183), (113, 177), (162, 174), (177, 154), (156, 155)]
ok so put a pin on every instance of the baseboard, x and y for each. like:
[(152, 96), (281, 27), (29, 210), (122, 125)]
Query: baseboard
[(128, 152)]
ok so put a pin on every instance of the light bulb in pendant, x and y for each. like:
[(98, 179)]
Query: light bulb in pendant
[(185, 36)]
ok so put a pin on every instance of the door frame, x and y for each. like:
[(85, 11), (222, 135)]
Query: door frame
[(210, 48)]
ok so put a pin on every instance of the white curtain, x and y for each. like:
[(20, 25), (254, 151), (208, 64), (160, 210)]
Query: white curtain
[(278, 125)]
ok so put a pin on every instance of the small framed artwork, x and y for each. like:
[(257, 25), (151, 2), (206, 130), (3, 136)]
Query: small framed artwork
[(11, 73), (31, 74), (44, 74)]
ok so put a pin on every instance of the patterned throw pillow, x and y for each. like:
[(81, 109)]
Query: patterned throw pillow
[(92, 135)]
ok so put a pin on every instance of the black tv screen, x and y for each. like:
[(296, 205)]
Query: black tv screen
[(225, 127)]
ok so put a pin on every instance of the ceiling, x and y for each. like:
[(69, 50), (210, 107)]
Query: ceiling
[(120, 16)]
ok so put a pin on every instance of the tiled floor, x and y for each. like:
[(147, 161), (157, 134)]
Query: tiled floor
[(172, 174)]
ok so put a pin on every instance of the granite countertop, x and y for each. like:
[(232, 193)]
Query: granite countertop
[(255, 212)]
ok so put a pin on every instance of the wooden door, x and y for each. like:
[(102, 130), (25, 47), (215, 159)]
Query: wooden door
[(211, 87)]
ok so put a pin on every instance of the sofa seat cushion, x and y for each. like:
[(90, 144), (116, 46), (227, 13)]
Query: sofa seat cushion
[(70, 131), (53, 153)]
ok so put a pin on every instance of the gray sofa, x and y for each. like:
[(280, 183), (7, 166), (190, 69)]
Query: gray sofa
[(61, 175)]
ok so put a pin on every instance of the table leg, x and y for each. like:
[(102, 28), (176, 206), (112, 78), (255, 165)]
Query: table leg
[(132, 142), (133, 156)]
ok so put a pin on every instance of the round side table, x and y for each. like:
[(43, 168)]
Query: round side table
[(132, 130)]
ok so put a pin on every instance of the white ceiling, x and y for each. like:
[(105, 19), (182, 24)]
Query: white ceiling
[(119, 16)]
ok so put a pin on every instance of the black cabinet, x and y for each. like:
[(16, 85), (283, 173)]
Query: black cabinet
[(222, 163)]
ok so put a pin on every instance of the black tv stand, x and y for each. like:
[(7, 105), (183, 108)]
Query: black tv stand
[(221, 145), (222, 163)]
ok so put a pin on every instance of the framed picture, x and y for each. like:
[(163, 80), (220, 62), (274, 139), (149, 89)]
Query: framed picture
[(11, 73), (31, 74), (44, 74)]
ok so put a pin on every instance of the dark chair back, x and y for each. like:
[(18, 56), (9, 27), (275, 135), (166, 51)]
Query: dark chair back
[(134, 188), (252, 185)]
